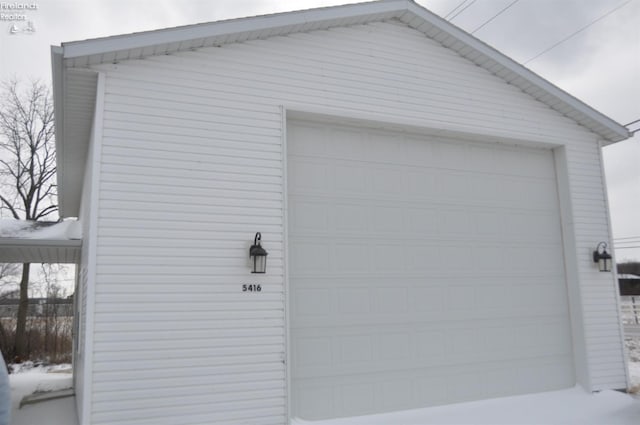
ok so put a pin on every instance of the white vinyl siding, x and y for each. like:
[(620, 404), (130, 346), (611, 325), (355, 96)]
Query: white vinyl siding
[(192, 166), (79, 358), (86, 271)]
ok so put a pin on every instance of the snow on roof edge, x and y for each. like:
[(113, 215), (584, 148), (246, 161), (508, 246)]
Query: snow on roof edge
[(32, 230)]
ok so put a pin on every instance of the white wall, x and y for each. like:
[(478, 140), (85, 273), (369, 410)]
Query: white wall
[(83, 360), (192, 167)]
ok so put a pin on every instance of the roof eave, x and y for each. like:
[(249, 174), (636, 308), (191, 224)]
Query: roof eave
[(105, 49), (617, 132), (60, 251), (233, 26)]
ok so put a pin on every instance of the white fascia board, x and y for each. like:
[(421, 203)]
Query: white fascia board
[(55, 243), (233, 26), (518, 69), (57, 74)]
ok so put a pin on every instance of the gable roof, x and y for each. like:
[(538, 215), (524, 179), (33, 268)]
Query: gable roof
[(74, 88)]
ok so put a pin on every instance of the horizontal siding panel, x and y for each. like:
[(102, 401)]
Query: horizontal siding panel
[(129, 336), (206, 124), (193, 201), (143, 355), (269, 294), (169, 211), (154, 114), (210, 146), (192, 414), (241, 159), (138, 163), (151, 103), (185, 371), (178, 270), (186, 398), (215, 238), (210, 345), (228, 190), (184, 132), (188, 317), (182, 243), (253, 303), (121, 329), (114, 254)]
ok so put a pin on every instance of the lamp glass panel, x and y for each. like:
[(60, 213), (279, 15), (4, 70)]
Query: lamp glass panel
[(259, 263)]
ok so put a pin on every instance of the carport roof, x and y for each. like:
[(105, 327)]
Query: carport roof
[(39, 242), (75, 88)]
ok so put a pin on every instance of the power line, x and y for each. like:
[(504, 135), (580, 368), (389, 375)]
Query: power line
[(577, 32), (452, 11), (462, 10), (627, 247), (627, 237), (495, 16)]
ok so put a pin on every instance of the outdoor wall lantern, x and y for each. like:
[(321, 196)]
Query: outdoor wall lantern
[(258, 256), (602, 257)]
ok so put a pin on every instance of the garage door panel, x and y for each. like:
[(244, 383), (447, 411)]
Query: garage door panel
[(357, 351), (351, 395), (422, 271), (362, 258), (441, 300)]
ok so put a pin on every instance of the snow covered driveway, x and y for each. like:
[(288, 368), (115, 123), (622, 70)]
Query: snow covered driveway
[(573, 406)]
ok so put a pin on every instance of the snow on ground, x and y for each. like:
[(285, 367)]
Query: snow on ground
[(633, 353), (27, 379), (573, 406)]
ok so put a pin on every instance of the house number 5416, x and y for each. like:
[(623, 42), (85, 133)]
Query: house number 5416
[(252, 288)]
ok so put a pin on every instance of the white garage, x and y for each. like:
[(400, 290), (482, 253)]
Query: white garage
[(422, 270), (430, 209)]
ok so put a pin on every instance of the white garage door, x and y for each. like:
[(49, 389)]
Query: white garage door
[(422, 271)]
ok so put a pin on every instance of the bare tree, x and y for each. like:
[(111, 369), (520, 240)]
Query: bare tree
[(27, 169), (9, 273)]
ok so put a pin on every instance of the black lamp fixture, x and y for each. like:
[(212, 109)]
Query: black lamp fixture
[(602, 257), (258, 256)]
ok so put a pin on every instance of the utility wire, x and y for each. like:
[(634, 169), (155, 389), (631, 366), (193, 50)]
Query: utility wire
[(465, 8), (495, 16), (627, 237), (577, 32), (452, 11), (627, 247)]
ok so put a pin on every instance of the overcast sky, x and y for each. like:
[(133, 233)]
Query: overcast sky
[(600, 65)]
